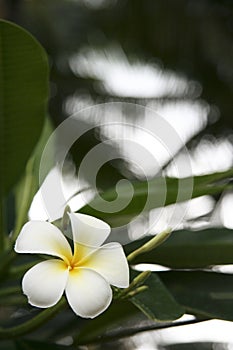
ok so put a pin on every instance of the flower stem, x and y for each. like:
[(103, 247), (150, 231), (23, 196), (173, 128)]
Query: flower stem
[(137, 282), (34, 323), (151, 244)]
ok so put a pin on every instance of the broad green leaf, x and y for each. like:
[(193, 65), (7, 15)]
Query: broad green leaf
[(155, 193), (203, 293), (190, 249), (119, 312), (29, 184), (23, 100), (156, 302)]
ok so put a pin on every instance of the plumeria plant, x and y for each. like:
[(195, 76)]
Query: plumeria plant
[(84, 274), (65, 279)]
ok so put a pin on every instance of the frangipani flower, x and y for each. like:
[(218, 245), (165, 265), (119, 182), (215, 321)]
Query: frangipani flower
[(85, 274)]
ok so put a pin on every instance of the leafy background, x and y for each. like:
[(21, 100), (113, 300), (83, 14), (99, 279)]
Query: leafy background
[(192, 39)]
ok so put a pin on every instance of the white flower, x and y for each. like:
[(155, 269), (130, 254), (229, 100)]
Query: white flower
[(84, 274)]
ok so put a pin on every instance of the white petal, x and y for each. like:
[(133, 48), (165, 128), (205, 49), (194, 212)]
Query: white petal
[(81, 252), (43, 238), (110, 261), (89, 230), (87, 292), (45, 282)]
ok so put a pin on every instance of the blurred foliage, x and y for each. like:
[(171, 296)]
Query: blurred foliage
[(192, 38)]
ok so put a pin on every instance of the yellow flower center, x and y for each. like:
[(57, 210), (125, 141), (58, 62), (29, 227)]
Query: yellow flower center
[(80, 257)]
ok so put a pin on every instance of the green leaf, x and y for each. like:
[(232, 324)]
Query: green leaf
[(115, 316), (29, 184), (189, 249), (155, 193), (156, 302), (203, 293), (23, 100), (195, 346)]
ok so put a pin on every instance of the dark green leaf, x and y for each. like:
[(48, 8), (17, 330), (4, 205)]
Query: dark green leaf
[(195, 346), (159, 192), (203, 293), (115, 316), (190, 249), (23, 99), (156, 302), (37, 345), (29, 184)]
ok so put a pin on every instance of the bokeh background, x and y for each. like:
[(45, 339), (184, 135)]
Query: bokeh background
[(174, 57)]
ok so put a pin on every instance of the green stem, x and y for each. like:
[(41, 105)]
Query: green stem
[(137, 282), (151, 244), (34, 323)]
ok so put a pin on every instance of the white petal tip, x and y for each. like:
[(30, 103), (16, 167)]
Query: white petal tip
[(94, 314), (88, 293), (39, 303)]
